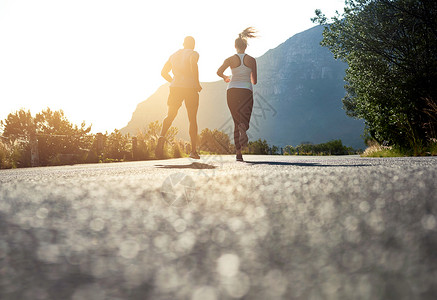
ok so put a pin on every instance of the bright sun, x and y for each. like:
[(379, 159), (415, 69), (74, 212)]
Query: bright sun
[(98, 59)]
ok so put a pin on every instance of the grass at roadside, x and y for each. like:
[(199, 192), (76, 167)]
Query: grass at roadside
[(381, 151), (376, 150)]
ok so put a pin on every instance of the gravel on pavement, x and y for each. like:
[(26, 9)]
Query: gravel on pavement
[(273, 227)]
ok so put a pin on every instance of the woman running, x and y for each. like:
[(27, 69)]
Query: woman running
[(239, 92)]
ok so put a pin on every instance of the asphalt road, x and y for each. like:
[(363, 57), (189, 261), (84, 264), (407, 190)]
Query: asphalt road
[(274, 227)]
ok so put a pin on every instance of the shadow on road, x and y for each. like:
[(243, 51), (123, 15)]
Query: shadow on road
[(193, 165), (300, 164)]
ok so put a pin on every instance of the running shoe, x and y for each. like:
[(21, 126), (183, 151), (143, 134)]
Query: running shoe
[(194, 155), (240, 157), (159, 150), (244, 139)]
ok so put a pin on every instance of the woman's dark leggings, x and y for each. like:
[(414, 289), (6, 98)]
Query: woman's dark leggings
[(240, 103)]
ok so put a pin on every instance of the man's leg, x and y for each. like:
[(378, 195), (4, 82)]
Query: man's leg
[(174, 102), (192, 105), (171, 115)]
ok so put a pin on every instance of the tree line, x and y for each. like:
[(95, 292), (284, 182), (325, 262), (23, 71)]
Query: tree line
[(57, 141), (390, 47), (60, 142)]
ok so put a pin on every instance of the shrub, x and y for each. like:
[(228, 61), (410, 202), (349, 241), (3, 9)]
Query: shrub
[(176, 150), (4, 157)]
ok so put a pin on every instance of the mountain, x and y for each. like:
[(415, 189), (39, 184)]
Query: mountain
[(297, 99)]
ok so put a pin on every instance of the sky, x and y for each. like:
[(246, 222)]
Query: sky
[(97, 59)]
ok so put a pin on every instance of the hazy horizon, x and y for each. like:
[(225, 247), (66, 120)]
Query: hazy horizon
[(96, 60)]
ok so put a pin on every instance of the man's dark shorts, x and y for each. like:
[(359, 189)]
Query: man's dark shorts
[(179, 94)]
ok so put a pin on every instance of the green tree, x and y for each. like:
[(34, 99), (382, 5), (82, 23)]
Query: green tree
[(258, 147), (215, 141), (57, 135), (305, 148), (289, 150), (154, 130), (391, 50), (143, 151), (274, 150), (14, 154), (16, 130), (334, 147), (18, 125), (117, 146)]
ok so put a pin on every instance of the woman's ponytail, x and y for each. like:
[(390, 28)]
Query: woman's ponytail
[(241, 41), (249, 32)]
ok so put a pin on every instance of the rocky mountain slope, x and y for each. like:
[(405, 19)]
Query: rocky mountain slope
[(297, 99)]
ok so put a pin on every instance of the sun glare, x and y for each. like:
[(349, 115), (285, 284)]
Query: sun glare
[(97, 60)]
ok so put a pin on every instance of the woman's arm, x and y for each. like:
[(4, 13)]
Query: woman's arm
[(223, 67), (254, 74)]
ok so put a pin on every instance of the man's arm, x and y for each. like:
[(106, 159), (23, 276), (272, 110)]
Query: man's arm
[(166, 70), (194, 58)]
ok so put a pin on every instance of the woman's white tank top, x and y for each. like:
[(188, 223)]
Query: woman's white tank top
[(241, 75)]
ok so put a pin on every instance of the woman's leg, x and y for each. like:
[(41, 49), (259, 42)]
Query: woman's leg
[(234, 105), (245, 100), (246, 106)]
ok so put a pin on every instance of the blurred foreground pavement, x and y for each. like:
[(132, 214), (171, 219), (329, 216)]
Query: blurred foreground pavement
[(275, 227)]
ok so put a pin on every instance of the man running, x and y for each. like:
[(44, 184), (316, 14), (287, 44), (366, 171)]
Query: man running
[(184, 85)]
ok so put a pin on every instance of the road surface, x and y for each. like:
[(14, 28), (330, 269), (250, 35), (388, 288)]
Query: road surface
[(274, 227)]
